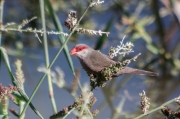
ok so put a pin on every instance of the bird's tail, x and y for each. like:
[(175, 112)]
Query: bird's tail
[(128, 70)]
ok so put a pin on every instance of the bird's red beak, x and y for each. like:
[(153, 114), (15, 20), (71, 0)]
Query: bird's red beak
[(73, 51)]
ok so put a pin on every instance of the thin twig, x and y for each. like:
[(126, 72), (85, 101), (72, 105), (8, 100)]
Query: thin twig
[(31, 30)]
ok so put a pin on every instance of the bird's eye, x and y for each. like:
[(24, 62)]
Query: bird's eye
[(80, 49)]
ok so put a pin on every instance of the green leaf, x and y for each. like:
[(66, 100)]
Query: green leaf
[(140, 28), (152, 48), (14, 81), (3, 116), (103, 38), (17, 95)]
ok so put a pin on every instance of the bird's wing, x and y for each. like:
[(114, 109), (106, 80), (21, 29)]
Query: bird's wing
[(128, 70), (98, 61)]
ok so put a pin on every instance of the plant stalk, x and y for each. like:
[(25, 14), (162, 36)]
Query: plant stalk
[(46, 53), (54, 59)]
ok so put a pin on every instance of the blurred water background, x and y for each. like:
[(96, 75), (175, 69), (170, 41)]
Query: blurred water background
[(152, 26)]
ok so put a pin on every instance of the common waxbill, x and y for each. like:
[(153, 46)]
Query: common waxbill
[(94, 61)]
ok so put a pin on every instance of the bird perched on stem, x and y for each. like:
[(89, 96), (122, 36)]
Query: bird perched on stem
[(94, 62), (98, 64)]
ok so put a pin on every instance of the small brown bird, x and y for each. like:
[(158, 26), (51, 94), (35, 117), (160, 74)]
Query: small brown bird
[(94, 62)]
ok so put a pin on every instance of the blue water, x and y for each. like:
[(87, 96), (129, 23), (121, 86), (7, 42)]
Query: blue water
[(63, 99)]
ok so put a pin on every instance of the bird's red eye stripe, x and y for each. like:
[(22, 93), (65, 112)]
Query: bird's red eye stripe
[(77, 49), (80, 48)]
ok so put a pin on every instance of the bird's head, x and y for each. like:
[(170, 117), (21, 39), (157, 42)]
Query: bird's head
[(81, 50)]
